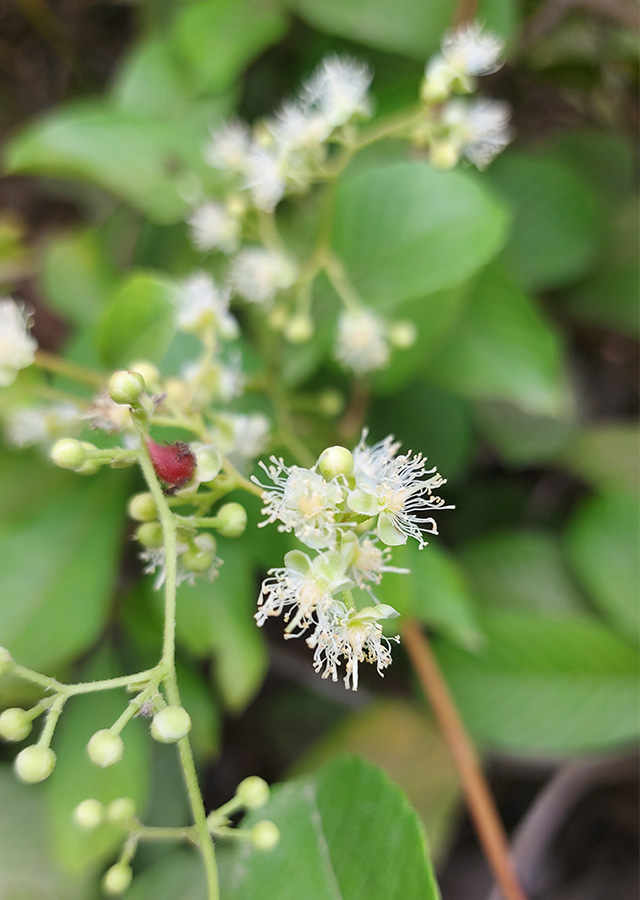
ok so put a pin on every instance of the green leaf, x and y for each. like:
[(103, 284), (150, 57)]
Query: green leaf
[(606, 455), (435, 592), (504, 349), (406, 230), (603, 538), (27, 869), (150, 81), (521, 571), (520, 437), (556, 228), (197, 699), (347, 832), (557, 686), (609, 298), (179, 876), (76, 778), (138, 323), (58, 566)]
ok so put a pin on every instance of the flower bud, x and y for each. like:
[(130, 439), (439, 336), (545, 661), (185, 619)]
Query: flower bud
[(253, 792), (403, 334), (265, 835), (231, 520), (335, 461), (443, 155), (5, 660), (170, 724), (121, 811), (105, 748), (202, 556), (149, 372), (142, 507), (208, 462), (150, 534), (34, 763), (68, 454), (330, 402), (15, 724), (299, 329), (90, 467), (89, 814), (117, 879), (126, 387)]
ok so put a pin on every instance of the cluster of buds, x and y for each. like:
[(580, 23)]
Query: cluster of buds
[(350, 508)]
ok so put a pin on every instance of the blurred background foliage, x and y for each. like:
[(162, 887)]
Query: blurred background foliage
[(522, 388)]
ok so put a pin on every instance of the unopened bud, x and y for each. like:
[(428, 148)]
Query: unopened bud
[(330, 402), (335, 461), (208, 462), (231, 520), (121, 811), (265, 835), (15, 724), (142, 507), (89, 814), (105, 748), (149, 372), (150, 534), (299, 329), (5, 660), (117, 879), (403, 334), (171, 724), (253, 792), (126, 387), (68, 454), (443, 155), (34, 764), (90, 467), (202, 555)]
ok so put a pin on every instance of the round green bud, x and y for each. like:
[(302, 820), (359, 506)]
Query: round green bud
[(330, 403), (265, 835), (68, 454), (121, 811), (34, 764), (142, 507), (231, 520), (253, 792), (194, 560), (15, 724), (403, 334), (89, 814), (126, 387), (170, 724), (299, 329), (90, 467), (105, 748), (444, 155), (5, 660), (149, 372), (117, 879), (335, 461), (150, 534)]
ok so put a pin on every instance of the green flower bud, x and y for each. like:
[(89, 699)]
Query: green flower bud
[(126, 387), (194, 560), (89, 814), (68, 454), (90, 467), (117, 879), (265, 835), (299, 329), (443, 155), (149, 372), (150, 534), (121, 811), (5, 660), (231, 520), (15, 724), (34, 764), (170, 724), (330, 403), (142, 507), (403, 334), (105, 749), (253, 792), (335, 461)]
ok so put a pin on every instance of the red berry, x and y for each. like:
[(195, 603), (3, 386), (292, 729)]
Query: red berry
[(174, 463)]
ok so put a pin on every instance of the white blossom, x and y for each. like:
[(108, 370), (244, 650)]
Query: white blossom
[(155, 560), (201, 303), (339, 90), (483, 127), (214, 228), (17, 346), (296, 127), (470, 50), (362, 342), (368, 562), (229, 147), (265, 178), (257, 274), (28, 426), (241, 436)]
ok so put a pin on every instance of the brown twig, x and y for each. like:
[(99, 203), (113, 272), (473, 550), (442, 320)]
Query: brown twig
[(466, 12), (483, 811)]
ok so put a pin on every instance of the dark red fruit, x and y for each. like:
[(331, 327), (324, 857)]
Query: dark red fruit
[(174, 463)]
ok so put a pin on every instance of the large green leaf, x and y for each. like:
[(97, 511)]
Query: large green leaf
[(545, 686), (150, 81), (520, 437), (504, 349), (58, 566), (178, 876), (346, 832), (603, 541), (406, 230), (606, 455), (609, 298)]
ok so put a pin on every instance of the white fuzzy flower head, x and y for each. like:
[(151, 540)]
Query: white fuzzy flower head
[(201, 304), (353, 635), (339, 90), (470, 50), (241, 436), (264, 177), (367, 560), (303, 502), (229, 147), (396, 489), (17, 347), (214, 228), (296, 127), (483, 127), (362, 343), (28, 426), (257, 274)]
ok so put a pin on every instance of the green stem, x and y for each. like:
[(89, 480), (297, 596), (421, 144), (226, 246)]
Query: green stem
[(159, 833), (133, 708), (59, 366), (52, 720)]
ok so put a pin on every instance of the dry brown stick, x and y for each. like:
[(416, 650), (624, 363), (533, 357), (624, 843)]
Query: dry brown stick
[(483, 810)]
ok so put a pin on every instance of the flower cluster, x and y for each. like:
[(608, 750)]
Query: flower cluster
[(17, 346), (351, 507)]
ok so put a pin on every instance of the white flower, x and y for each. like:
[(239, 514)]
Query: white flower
[(215, 380), (367, 561), (31, 425), (483, 127), (155, 560), (242, 436), (395, 489), (470, 50), (356, 636), (201, 303), (338, 90), (257, 274), (229, 147), (297, 127), (17, 347), (265, 177), (362, 342), (214, 228), (303, 502), (106, 415)]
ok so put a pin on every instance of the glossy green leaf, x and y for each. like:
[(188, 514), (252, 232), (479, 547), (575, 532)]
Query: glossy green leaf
[(406, 230), (520, 437), (504, 349), (603, 543), (609, 298), (138, 322), (545, 686), (150, 81), (606, 455), (178, 876), (346, 832)]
